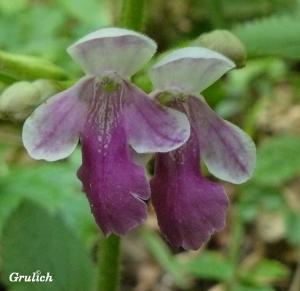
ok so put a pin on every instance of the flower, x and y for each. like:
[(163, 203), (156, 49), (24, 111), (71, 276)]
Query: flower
[(111, 118), (189, 207)]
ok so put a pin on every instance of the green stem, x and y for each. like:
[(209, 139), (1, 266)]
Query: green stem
[(109, 264), (132, 15), (236, 240)]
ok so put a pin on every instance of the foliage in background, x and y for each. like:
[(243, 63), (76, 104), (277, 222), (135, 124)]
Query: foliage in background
[(42, 206), (272, 36)]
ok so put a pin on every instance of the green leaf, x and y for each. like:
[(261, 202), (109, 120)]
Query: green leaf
[(210, 265), (30, 37), (278, 160), (272, 36), (265, 272), (255, 197), (292, 222), (92, 12), (23, 67), (53, 186), (10, 7), (35, 240)]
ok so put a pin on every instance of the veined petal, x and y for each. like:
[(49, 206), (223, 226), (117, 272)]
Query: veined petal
[(190, 69), (189, 208), (116, 50), (228, 152), (115, 185), (52, 131), (151, 127)]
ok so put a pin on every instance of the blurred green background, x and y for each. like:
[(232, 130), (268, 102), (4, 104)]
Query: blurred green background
[(45, 221)]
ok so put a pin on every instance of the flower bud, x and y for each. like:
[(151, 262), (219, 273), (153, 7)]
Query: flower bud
[(225, 43), (19, 99)]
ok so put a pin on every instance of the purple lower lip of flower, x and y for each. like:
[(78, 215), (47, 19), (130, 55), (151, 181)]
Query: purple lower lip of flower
[(108, 116), (116, 187), (182, 197), (189, 207)]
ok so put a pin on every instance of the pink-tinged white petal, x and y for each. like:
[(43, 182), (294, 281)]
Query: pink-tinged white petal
[(190, 70), (115, 50), (52, 131), (116, 187), (189, 207), (151, 127), (228, 152)]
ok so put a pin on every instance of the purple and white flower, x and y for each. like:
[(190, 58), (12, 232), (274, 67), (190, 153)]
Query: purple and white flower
[(112, 118), (188, 206)]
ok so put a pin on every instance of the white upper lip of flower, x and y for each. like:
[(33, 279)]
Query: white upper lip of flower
[(190, 69), (112, 32), (112, 50), (192, 53)]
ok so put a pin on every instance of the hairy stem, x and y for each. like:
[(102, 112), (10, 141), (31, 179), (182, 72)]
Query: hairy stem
[(236, 240)]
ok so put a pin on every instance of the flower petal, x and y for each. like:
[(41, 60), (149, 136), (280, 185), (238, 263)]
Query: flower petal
[(52, 131), (228, 152), (115, 185), (113, 50), (189, 208), (151, 127), (190, 70)]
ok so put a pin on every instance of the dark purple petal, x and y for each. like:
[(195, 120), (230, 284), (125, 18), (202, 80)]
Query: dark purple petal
[(228, 152), (151, 127), (189, 207), (52, 131), (115, 185)]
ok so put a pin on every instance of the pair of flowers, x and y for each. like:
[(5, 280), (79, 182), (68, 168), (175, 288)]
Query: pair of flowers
[(114, 120)]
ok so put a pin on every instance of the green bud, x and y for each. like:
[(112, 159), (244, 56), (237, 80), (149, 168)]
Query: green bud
[(19, 100), (47, 88), (224, 42)]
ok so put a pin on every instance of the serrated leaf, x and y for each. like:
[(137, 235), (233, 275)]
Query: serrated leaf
[(271, 36), (34, 240), (278, 160), (210, 265)]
